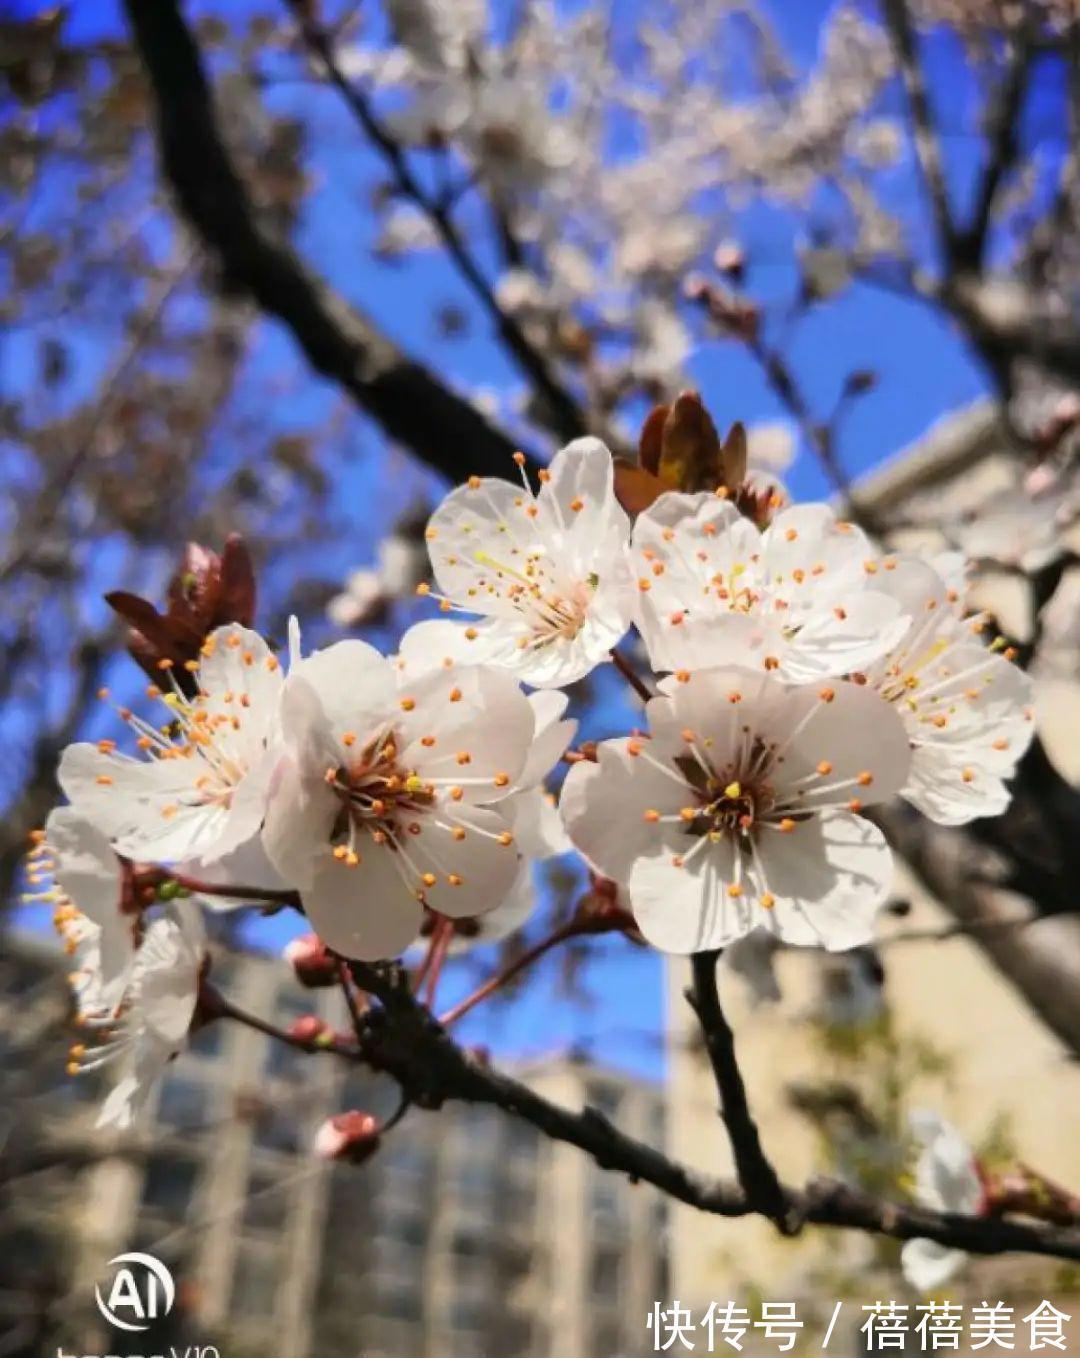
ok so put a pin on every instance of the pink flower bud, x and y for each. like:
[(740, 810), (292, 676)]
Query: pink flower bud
[(352, 1136), (309, 1028), (312, 962)]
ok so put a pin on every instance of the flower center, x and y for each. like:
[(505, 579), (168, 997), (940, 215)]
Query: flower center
[(553, 610), (730, 801), (377, 797)]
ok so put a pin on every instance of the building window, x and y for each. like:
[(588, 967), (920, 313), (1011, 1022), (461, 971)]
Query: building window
[(267, 1202), (604, 1274), (277, 1129), (468, 1313), (169, 1185), (255, 1283), (607, 1338), (605, 1098), (183, 1103), (605, 1201), (400, 1298)]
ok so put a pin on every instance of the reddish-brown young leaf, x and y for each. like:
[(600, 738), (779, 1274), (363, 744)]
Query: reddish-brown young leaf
[(636, 488)]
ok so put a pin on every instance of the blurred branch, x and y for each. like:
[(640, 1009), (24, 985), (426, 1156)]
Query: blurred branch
[(1002, 131), (927, 143), (1042, 959), (57, 490), (38, 793), (820, 436), (565, 415), (341, 342)]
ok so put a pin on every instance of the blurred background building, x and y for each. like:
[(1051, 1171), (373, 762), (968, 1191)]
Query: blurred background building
[(856, 1041), (467, 1234)]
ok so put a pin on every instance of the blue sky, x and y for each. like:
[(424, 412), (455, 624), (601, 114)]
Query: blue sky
[(924, 372)]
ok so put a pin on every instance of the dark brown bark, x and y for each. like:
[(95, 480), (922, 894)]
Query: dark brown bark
[(340, 341)]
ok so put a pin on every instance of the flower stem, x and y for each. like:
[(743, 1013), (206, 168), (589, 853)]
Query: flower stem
[(501, 978), (215, 1005), (440, 946), (264, 895), (628, 673)]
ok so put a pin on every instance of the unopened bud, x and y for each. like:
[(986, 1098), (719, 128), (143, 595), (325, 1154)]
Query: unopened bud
[(311, 1028), (730, 258), (859, 382), (311, 960), (352, 1136), (600, 911)]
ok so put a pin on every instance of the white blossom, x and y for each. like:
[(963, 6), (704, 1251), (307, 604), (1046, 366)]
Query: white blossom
[(741, 810), (797, 599), (386, 798), (150, 1023), (546, 572), (200, 790), (400, 565), (534, 817), (967, 710), (88, 880), (947, 1180)]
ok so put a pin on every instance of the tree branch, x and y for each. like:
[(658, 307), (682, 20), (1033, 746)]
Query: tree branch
[(1002, 129), (1042, 959), (402, 1039), (756, 1174), (339, 341), (927, 144), (563, 411)]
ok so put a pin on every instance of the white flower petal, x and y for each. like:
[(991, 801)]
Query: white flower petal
[(171, 958), (366, 912), (438, 642), (841, 742), (538, 828), (603, 805), (689, 909), (87, 870), (299, 817), (507, 917), (246, 865), (548, 572), (473, 871), (829, 877), (238, 661), (946, 1175), (353, 681), (928, 1266), (949, 788), (469, 727), (551, 737)]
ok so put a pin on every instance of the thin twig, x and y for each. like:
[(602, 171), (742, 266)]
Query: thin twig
[(508, 973), (1002, 124), (631, 676), (402, 1039), (756, 1174), (927, 143), (440, 947), (566, 416), (256, 894), (411, 403), (217, 1006)]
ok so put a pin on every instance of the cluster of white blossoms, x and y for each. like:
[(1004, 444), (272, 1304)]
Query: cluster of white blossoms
[(801, 678)]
